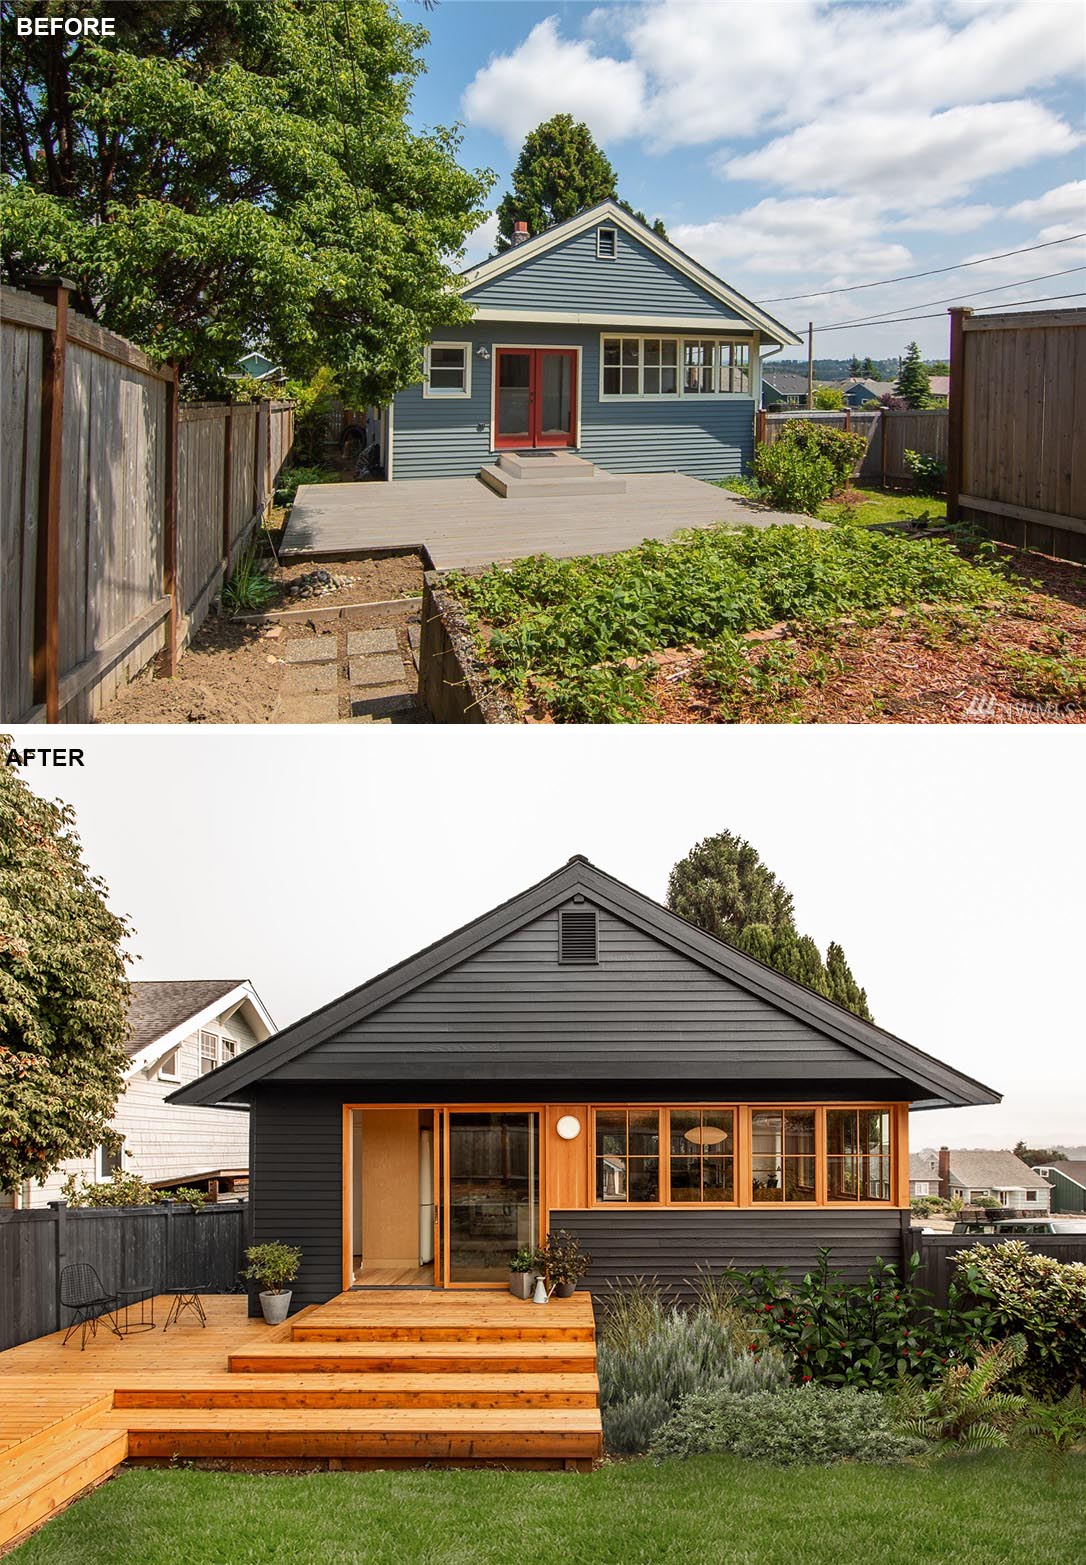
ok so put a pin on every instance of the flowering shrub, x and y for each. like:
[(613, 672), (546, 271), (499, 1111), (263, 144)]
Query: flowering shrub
[(1039, 1297)]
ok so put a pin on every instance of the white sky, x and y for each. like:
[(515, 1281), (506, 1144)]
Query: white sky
[(946, 862)]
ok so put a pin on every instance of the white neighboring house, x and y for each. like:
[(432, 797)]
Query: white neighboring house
[(179, 1030), (972, 1174)]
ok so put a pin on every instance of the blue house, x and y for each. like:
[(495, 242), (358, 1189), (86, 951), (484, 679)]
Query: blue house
[(595, 337)]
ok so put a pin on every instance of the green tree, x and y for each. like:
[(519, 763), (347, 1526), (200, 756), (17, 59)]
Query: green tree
[(1035, 1155), (63, 992), (854, 367), (912, 380), (868, 372), (938, 367), (723, 886), (219, 175), (829, 398), (560, 172)]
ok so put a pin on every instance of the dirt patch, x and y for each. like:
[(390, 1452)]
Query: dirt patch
[(375, 580)]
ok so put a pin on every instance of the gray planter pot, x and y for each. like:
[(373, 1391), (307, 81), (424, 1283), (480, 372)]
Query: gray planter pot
[(521, 1284), (564, 1290), (275, 1306)]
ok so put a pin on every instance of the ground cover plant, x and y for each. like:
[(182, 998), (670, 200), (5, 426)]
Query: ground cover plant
[(788, 1427), (985, 1510), (576, 640)]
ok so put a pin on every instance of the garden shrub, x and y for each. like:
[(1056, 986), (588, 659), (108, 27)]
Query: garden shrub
[(286, 488), (121, 1189), (928, 472), (965, 1406), (1038, 1297), (794, 480), (811, 1426), (652, 1354)]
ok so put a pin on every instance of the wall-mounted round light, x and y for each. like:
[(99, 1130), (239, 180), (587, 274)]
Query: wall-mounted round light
[(705, 1135), (568, 1127)]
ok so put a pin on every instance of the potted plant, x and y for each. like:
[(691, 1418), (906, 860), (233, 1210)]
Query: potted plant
[(272, 1266), (522, 1274), (563, 1262)]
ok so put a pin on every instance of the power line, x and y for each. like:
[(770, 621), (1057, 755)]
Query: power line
[(822, 293), (975, 293), (939, 315)]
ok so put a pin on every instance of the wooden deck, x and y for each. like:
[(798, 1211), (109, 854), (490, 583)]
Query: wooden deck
[(370, 1379), (460, 522)]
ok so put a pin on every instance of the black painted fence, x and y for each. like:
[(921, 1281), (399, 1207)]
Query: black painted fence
[(937, 1253), (160, 1247)]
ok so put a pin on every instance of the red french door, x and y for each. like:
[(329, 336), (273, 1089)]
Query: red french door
[(535, 399)]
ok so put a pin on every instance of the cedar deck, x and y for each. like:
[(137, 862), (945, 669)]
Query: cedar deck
[(460, 522), (378, 1379)]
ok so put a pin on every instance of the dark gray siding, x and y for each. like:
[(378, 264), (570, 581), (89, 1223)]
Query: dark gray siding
[(570, 276), (295, 1173), (672, 1244), (512, 1013), (435, 437)]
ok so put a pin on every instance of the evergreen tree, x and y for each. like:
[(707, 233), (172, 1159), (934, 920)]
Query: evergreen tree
[(869, 372), (854, 367), (912, 381), (560, 172), (723, 887)]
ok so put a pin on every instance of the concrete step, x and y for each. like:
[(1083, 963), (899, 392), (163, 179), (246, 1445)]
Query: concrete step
[(544, 465), (511, 488)]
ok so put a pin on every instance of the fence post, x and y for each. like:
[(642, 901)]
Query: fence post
[(59, 1210), (882, 455), (760, 426), (955, 426), (46, 647), (227, 485), (169, 539), (848, 419)]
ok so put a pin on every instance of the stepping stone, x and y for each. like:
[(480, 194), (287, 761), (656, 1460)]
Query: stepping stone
[(322, 650), (384, 669), (382, 704), (360, 643), (306, 709), (309, 678)]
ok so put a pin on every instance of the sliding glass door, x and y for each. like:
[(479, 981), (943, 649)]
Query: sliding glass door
[(491, 1191)]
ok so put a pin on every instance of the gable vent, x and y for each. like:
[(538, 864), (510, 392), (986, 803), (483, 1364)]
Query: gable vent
[(578, 934), (606, 243)]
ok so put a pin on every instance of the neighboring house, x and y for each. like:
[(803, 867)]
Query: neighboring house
[(857, 392), (579, 1058), (259, 367), (973, 1174), (939, 385), (596, 337), (784, 388), (179, 1031), (1068, 1181)]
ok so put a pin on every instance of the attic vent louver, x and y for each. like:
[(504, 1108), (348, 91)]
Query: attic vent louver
[(606, 243), (578, 934)]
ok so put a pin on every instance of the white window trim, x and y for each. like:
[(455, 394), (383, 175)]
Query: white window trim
[(174, 1054), (441, 395), (206, 1032), (677, 396), (600, 256)]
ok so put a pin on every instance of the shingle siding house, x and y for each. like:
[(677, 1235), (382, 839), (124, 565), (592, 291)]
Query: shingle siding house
[(972, 1174), (1068, 1181), (596, 337), (179, 1031), (578, 1058)]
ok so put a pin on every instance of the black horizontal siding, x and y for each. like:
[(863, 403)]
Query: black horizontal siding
[(644, 1012), (296, 1191), (672, 1244)]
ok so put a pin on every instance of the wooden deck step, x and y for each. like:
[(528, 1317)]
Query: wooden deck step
[(38, 1483), (440, 1331), (413, 1357), (39, 1410), (562, 1389), (250, 1434)]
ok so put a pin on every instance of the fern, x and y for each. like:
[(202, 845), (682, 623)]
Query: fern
[(964, 1408)]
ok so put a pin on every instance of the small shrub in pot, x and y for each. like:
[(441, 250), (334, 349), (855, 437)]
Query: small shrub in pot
[(272, 1266), (522, 1274), (562, 1262)]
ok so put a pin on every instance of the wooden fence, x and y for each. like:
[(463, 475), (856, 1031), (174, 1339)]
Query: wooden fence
[(1017, 455), (121, 509), (936, 1252), (159, 1247), (889, 435)]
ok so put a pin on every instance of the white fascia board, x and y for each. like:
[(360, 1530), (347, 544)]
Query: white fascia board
[(513, 257), (662, 325), (230, 1001)]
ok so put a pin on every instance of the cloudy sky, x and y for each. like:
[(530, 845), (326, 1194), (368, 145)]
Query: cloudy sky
[(794, 145), (946, 863)]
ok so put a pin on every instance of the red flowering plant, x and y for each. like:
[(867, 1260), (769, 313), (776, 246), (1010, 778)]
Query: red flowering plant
[(862, 1334)]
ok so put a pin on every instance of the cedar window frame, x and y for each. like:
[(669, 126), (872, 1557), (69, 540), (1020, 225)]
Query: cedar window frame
[(829, 1157)]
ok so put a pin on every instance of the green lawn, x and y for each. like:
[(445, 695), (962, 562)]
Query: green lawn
[(880, 505), (982, 1510)]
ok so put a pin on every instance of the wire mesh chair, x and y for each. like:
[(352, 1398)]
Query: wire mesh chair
[(82, 1290)]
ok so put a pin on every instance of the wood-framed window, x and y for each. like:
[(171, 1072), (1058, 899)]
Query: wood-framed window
[(664, 367), (209, 1051), (627, 1156), (447, 371), (699, 361), (858, 1143), (661, 371), (733, 365), (783, 1155), (701, 1160), (622, 366)]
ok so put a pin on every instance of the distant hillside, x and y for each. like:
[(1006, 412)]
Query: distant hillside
[(835, 369)]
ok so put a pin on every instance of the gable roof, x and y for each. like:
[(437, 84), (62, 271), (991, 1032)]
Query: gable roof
[(539, 244), (938, 1084), (162, 1013), (1070, 1169), (983, 1170), (923, 1165)]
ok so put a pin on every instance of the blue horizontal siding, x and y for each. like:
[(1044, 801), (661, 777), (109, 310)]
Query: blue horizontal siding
[(571, 276), (451, 437)]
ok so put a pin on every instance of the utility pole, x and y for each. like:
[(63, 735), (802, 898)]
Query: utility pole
[(810, 364)]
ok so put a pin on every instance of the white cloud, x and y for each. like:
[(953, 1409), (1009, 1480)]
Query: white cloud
[(914, 157), (1064, 202), (946, 219), (547, 74), (480, 242), (831, 235)]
